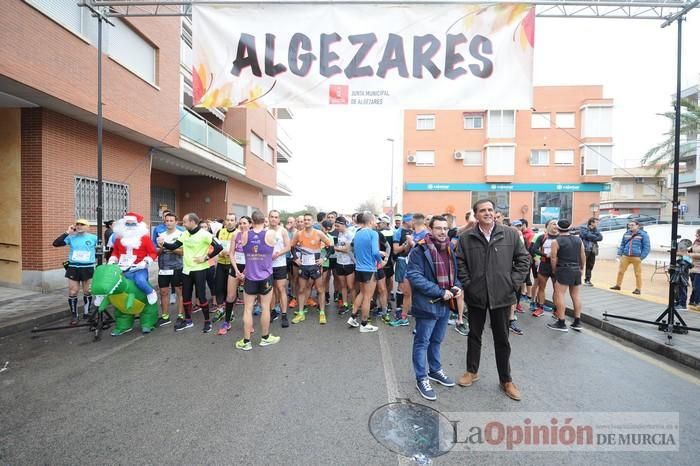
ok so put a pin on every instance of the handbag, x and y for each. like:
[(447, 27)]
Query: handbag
[(594, 249)]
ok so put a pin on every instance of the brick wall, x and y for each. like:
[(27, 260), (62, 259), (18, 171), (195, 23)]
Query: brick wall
[(38, 52), (195, 190), (56, 149), (245, 194)]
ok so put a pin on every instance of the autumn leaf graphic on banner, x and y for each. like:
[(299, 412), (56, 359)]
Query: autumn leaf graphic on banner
[(505, 16)]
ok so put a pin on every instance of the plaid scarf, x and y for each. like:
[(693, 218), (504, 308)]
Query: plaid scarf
[(442, 259)]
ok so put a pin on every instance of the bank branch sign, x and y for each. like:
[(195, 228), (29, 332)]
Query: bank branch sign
[(514, 187)]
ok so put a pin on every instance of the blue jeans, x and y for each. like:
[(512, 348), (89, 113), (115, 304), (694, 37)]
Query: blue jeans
[(695, 294), (426, 345), (140, 278)]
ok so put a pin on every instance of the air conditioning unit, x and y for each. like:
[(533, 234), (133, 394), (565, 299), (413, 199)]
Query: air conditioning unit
[(459, 155), (411, 158)]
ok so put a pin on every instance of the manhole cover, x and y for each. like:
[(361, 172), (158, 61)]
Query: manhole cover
[(412, 430)]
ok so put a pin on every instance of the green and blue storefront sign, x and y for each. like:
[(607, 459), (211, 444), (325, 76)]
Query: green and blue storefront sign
[(511, 187)]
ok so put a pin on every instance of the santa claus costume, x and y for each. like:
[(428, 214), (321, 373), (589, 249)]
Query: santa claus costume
[(134, 251)]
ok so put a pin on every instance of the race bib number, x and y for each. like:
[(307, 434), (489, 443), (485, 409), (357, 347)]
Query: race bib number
[(240, 257), (126, 260), (166, 272), (308, 259), (80, 256)]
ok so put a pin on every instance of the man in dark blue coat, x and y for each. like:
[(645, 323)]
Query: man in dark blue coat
[(432, 273)]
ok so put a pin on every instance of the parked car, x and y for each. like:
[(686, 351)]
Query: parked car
[(641, 218), (610, 223)]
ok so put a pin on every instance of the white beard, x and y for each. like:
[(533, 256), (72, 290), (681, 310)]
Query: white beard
[(130, 237)]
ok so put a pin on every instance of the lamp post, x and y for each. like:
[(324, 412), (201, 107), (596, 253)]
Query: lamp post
[(391, 194)]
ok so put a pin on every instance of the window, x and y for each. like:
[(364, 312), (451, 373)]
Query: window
[(565, 120), (652, 190), (257, 145), (552, 205), (563, 157), (269, 154), (501, 199), (500, 160), (597, 122), (425, 158), (626, 190), (541, 120), (473, 121), (120, 42), (501, 124), (596, 160), (539, 157), (115, 199), (425, 122), (472, 157)]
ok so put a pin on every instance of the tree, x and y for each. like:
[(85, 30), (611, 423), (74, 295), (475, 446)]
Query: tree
[(368, 206), (661, 155)]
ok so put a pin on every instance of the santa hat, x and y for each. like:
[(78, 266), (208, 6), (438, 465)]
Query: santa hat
[(134, 217)]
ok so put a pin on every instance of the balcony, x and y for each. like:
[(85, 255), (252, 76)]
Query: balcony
[(685, 179), (284, 181), (198, 130)]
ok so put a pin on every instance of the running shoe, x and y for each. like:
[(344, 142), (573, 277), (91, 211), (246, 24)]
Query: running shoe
[(387, 318), (224, 328), (243, 345), (239, 300), (163, 321), (462, 329), (322, 318), (311, 302), (519, 309), (538, 312), (293, 302), (173, 298), (352, 322), (559, 325), (219, 314), (257, 310), (368, 328), (453, 319), (533, 306), (274, 314), (341, 303), (196, 308), (524, 297), (74, 320), (270, 340), (514, 328), (300, 316), (399, 323), (207, 327), (576, 325), (183, 324), (285, 321), (587, 283)]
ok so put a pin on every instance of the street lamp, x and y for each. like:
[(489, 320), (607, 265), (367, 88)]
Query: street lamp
[(391, 195)]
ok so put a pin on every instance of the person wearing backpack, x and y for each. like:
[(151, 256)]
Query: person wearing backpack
[(634, 248)]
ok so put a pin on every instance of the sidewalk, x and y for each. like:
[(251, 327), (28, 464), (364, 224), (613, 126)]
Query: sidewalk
[(648, 306), (22, 310)]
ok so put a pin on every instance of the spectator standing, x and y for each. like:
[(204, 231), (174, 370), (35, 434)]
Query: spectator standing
[(634, 248), (590, 236)]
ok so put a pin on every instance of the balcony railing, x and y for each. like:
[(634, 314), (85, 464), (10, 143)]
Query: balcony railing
[(284, 180), (687, 177), (199, 130)]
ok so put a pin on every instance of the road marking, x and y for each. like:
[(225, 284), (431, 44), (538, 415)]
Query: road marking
[(665, 366), (392, 388), (115, 349)]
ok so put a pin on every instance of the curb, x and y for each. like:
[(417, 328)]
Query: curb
[(32, 322), (656, 347)]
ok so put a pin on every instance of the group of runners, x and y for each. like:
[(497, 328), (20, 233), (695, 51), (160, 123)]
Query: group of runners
[(358, 262)]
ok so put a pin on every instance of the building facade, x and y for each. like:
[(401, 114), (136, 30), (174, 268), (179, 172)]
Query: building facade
[(689, 179), (639, 190), (159, 152), (549, 162)]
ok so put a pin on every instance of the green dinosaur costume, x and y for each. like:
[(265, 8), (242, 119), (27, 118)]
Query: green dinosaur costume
[(110, 286)]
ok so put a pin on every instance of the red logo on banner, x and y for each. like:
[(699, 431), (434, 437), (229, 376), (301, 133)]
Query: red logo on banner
[(338, 94)]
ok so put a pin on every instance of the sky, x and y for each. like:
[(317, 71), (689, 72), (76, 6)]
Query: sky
[(341, 157)]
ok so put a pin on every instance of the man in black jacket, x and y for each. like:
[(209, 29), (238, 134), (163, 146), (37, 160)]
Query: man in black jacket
[(492, 265), (590, 236)]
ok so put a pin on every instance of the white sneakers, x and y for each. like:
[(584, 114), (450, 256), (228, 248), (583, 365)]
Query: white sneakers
[(352, 322)]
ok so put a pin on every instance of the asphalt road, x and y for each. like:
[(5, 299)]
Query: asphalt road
[(191, 398)]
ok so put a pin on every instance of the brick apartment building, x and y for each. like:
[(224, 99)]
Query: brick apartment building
[(551, 161), (158, 151)]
